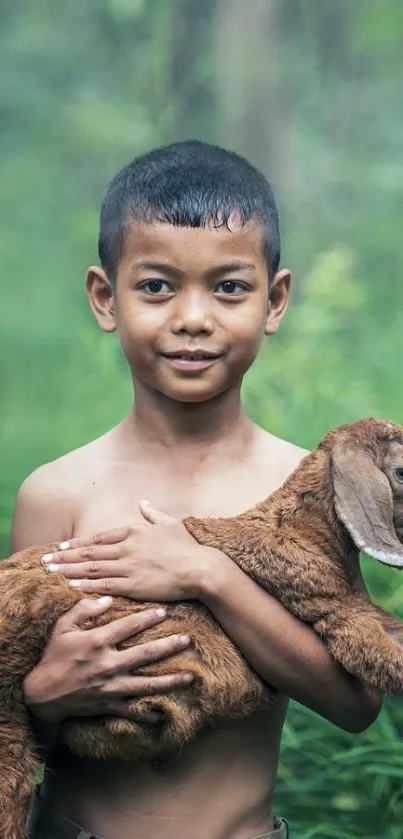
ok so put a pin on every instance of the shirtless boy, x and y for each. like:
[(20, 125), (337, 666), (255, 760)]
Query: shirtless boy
[(190, 279)]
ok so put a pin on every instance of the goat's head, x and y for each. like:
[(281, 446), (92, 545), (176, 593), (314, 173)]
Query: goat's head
[(367, 470)]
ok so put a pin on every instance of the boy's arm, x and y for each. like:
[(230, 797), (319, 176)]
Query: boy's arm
[(285, 652)]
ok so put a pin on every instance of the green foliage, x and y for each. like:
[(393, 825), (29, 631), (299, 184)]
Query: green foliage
[(90, 85), (332, 784)]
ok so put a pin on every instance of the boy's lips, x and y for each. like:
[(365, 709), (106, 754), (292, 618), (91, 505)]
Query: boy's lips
[(191, 360)]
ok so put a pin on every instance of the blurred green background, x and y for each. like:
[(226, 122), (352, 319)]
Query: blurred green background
[(310, 91)]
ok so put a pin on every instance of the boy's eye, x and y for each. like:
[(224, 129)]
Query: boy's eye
[(154, 287), (231, 288)]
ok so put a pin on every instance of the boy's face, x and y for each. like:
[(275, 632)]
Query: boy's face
[(191, 306)]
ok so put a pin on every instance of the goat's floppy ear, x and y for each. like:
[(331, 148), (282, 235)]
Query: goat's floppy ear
[(364, 503)]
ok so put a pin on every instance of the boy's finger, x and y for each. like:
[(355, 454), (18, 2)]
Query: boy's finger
[(115, 586), (154, 515), (143, 686), (76, 617), (94, 570), (119, 630), (133, 687), (81, 554), (141, 654), (105, 537)]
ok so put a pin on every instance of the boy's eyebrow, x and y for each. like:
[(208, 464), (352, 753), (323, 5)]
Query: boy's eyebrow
[(162, 267), (234, 265), (225, 268)]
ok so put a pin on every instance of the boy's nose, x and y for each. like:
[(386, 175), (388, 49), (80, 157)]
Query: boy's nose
[(193, 314)]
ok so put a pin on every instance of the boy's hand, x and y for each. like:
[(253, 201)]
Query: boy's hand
[(82, 671), (156, 559)]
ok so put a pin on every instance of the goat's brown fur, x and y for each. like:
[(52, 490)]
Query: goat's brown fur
[(301, 545)]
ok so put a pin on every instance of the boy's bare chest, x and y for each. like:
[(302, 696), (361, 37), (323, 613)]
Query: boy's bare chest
[(110, 497)]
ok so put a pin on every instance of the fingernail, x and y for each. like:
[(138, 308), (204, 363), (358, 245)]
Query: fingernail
[(184, 639), (161, 612), (64, 546), (188, 677), (53, 567), (75, 583), (101, 600), (146, 501), (47, 558)]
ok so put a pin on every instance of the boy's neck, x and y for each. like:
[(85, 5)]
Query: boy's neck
[(156, 422)]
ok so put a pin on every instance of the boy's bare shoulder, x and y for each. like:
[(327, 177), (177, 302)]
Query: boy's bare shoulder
[(61, 475), (47, 500), (280, 456)]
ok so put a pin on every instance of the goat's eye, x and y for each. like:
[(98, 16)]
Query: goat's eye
[(399, 474)]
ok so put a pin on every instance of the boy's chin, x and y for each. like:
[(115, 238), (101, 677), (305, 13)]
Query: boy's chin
[(195, 394)]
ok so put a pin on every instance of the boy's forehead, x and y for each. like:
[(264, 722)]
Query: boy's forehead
[(209, 244)]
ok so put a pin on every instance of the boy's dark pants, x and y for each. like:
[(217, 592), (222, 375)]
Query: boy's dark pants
[(46, 823)]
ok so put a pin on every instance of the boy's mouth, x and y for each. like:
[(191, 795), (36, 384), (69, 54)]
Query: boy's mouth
[(192, 355), (192, 361)]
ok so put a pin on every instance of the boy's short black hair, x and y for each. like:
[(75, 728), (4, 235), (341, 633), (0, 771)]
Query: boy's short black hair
[(187, 184)]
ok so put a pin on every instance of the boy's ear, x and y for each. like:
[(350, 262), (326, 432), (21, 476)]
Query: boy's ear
[(279, 293), (101, 298)]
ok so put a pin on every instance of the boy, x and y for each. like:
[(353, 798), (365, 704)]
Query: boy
[(189, 249)]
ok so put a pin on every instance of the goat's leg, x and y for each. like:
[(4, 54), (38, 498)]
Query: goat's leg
[(364, 644), (19, 763), (19, 753), (392, 625), (22, 639)]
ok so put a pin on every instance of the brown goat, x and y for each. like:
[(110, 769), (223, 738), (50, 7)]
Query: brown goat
[(301, 545)]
